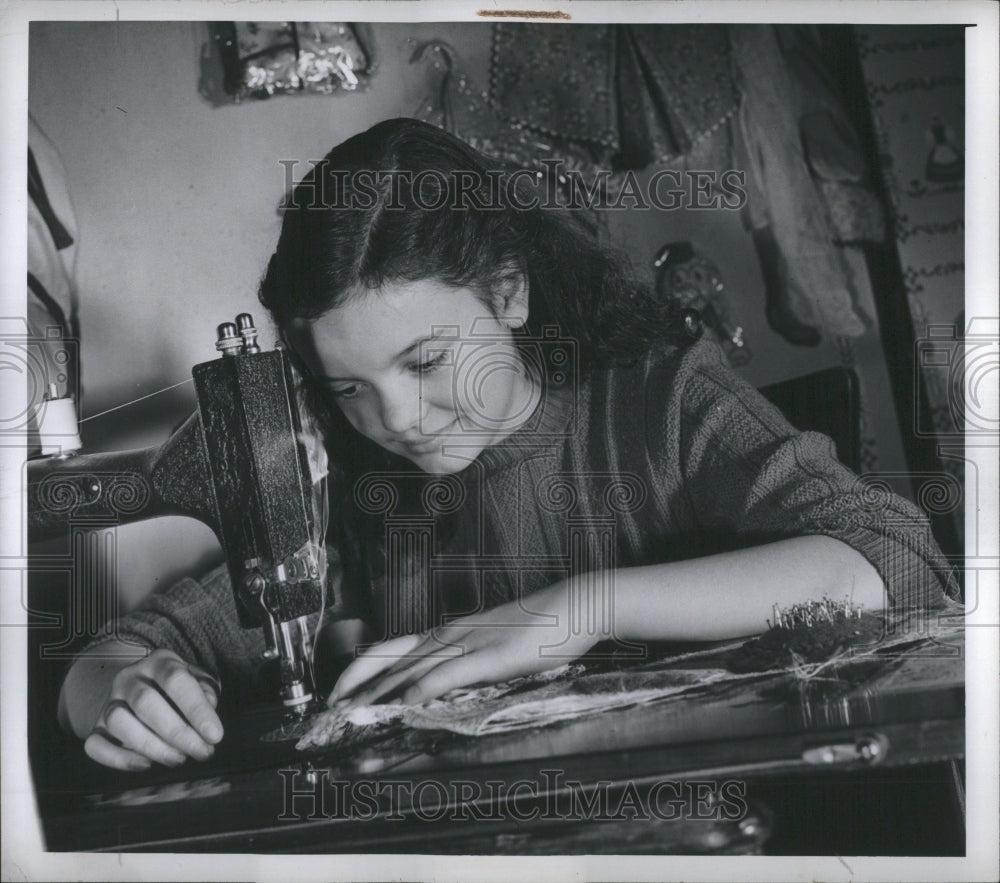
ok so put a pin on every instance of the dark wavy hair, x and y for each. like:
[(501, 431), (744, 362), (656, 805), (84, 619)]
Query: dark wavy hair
[(350, 225), (362, 217)]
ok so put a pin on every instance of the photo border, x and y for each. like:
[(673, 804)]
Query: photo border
[(23, 852)]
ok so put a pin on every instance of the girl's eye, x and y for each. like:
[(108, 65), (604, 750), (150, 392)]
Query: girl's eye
[(431, 364), (345, 392)]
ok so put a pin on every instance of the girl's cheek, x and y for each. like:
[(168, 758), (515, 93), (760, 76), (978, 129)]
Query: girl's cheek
[(484, 381), (438, 391), (481, 400)]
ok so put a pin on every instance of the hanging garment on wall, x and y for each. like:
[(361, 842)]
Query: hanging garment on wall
[(603, 99), (831, 146), (557, 82), (51, 228), (815, 280), (630, 95), (51, 344), (683, 78), (265, 58)]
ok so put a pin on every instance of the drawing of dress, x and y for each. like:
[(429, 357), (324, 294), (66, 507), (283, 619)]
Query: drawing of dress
[(944, 162)]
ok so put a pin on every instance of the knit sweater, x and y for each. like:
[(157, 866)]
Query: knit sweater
[(671, 459)]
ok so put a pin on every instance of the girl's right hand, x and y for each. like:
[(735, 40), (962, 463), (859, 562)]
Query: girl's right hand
[(161, 709)]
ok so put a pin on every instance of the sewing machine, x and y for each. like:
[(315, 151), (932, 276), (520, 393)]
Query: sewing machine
[(239, 464)]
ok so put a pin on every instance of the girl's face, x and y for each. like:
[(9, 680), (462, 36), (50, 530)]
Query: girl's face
[(424, 369)]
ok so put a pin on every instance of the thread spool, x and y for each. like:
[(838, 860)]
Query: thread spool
[(58, 429), (244, 324), (228, 342)]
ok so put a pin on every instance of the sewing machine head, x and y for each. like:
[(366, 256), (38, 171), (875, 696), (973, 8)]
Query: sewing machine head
[(240, 464), (269, 522)]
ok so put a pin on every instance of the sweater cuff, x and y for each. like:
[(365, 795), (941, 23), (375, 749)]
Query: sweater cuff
[(915, 576)]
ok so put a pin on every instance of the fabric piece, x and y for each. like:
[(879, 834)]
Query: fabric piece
[(604, 100), (52, 228), (48, 305), (561, 695), (855, 214), (831, 145), (265, 58), (557, 81), (571, 692), (784, 196), (644, 93), (673, 458), (37, 194), (687, 74), (51, 335), (637, 111)]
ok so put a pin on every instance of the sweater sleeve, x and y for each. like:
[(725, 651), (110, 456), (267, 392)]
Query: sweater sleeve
[(750, 476), (197, 620)]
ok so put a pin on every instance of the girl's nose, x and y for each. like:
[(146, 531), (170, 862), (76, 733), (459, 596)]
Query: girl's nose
[(400, 411)]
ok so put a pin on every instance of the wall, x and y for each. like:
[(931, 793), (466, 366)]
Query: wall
[(919, 123), (177, 207)]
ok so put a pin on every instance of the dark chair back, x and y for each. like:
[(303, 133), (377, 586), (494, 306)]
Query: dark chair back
[(825, 401)]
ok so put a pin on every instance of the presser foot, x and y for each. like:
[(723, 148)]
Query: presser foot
[(310, 706)]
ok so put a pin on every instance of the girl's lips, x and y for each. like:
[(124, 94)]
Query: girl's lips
[(430, 441)]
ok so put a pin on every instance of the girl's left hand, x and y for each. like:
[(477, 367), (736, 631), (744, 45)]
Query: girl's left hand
[(515, 639)]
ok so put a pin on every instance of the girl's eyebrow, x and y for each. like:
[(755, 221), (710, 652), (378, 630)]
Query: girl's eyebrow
[(416, 345), (398, 358)]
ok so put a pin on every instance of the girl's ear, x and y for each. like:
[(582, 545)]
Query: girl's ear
[(512, 298)]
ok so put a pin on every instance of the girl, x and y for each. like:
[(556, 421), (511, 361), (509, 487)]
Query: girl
[(493, 386)]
